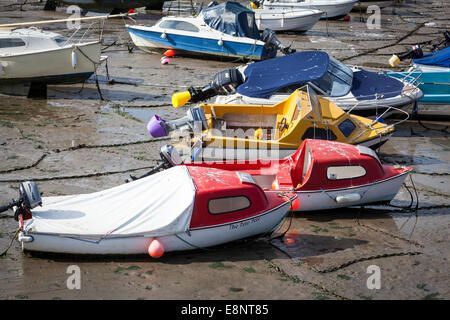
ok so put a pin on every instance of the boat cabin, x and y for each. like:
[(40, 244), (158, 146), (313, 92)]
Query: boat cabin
[(319, 164), (226, 196), (30, 40)]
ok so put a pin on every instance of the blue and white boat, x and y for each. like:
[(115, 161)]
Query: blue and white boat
[(225, 30), (351, 88), (432, 74)]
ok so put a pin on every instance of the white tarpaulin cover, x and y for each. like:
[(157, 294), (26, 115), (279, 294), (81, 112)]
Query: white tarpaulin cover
[(160, 204)]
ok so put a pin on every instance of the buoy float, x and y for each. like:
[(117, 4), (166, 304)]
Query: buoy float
[(163, 35), (165, 60), (169, 53), (155, 249), (220, 42), (347, 18), (74, 59)]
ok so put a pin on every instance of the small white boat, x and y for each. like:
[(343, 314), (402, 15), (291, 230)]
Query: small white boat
[(282, 20), (32, 55), (365, 4), (331, 8), (182, 208)]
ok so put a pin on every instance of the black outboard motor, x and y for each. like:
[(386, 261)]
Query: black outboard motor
[(415, 53), (29, 198), (272, 42), (224, 82)]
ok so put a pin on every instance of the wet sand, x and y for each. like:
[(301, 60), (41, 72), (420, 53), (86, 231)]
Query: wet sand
[(73, 142)]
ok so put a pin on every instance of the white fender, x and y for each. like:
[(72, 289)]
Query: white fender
[(74, 59), (347, 198), (25, 238), (1, 70), (220, 42), (163, 35)]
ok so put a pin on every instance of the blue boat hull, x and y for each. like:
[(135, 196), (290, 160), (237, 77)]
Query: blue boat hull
[(202, 46), (434, 85)]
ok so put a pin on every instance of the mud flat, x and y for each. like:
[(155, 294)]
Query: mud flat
[(74, 142)]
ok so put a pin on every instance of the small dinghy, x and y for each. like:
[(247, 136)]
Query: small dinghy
[(223, 30), (323, 174), (330, 8), (180, 208), (226, 131), (282, 20), (431, 71), (268, 82)]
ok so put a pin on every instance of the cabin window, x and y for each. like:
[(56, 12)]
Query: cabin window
[(61, 40), (179, 25), (228, 204), (319, 133), (345, 172), (11, 43), (306, 163), (347, 127)]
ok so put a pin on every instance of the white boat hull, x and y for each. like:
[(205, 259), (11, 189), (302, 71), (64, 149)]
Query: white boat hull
[(331, 9), (281, 20), (197, 238), (52, 66), (382, 191)]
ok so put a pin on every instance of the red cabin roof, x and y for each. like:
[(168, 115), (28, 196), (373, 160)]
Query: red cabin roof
[(223, 197)]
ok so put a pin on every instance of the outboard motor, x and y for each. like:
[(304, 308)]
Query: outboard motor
[(256, 4), (223, 82), (195, 120), (29, 198), (415, 53), (272, 42), (170, 158)]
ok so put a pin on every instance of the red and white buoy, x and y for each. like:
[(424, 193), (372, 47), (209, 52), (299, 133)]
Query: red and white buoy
[(155, 249)]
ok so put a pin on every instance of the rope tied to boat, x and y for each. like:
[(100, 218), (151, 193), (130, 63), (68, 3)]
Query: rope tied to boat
[(10, 243)]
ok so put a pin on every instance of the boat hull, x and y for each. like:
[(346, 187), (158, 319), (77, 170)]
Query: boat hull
[(196, 238), (278, 20), (52, 66), (435, 85), (332, 10), (213, 153), (377, 192), (149, 41)]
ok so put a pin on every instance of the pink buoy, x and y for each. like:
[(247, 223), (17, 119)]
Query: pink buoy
[(155, 249), (165, 60)]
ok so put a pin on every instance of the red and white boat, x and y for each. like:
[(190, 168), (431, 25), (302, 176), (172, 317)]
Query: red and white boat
[(324, 175), (180, 208)]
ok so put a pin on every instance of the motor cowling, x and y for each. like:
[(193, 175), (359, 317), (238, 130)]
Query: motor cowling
[(272, 43)]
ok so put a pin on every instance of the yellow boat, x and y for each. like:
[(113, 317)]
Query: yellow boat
[(264, 131)]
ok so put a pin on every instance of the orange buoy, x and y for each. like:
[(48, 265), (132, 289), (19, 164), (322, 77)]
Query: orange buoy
[(169, 53), (347, 18), (155, 249), (295, 204)]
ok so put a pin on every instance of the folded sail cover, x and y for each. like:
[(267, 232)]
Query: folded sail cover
[(262, 79), (231, 18), (439, 58), (157, 205)]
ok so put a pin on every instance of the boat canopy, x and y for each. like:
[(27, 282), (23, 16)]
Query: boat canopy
[(262, 79), (439, 58), (231, 18), (145, 206)]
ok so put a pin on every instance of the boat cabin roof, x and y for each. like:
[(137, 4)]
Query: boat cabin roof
[(223, 196), (327, 164)]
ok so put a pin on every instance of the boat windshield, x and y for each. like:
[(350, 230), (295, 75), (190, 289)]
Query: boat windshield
[(337, 81)]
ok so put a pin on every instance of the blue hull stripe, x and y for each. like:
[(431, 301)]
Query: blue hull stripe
[(202, 45)]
